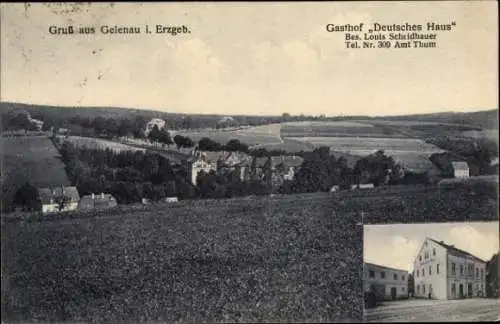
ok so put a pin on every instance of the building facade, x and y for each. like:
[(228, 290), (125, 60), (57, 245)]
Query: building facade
[(460, 169), (160, 123), (58, 199), (387, 283), (442, 271)]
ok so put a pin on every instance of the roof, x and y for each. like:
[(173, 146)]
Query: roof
[(289, 161), (384, 267), (46, 194), (456, 251), (460, 165)]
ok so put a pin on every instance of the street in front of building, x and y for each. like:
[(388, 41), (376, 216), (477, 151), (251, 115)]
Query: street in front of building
[(427, 310)]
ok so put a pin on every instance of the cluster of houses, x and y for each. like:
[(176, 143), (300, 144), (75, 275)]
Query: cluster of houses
[(61, 199), (440, 271), (275, 169)]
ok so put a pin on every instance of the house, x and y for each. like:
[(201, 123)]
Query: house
[(460, 169), (334, 188), (171, 199), (200, 161), (276, 169), (58, 199), (160, 123), (442, 271), (363, 186), (93, 201), (387, 283)]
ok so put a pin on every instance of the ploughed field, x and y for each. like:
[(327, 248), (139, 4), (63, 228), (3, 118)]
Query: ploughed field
[(248, 259), (31, 158), (410, 153), (465, 310)]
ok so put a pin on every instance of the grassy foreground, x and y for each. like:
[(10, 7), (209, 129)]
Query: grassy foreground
[(253, 260)]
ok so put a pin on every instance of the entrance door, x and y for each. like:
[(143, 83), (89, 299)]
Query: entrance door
[(393, 293), (469, 290), (461, 291)]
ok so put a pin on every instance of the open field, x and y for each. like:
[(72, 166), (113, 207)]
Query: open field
[(411, 153), (253, 260), (32, 159), (266, 134), (99, 143), (468, 310), (337, 129), (491, 134), (288, 145)]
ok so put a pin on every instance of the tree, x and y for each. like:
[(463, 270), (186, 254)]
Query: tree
[(164, 137), (154, 134), (26, 197), (207, 144), (62, 202), (235, 145)]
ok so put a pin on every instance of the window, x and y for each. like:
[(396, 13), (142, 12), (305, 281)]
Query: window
[(418, 289), (430, 270), (403, 278), (423, 272), (418, 273), (477, 272), (437, 268), (371, 274), (482, 274), (382, 275), (395, 277), (461, 270), (453, 289), (420, 258), (423, 289), (403, 289), (453, 270), (434, 252)]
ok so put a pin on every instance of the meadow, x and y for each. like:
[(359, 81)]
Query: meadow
[(336, 129), (256, 135), (408, 152), (32, 159), (249, 259), (99, 143)]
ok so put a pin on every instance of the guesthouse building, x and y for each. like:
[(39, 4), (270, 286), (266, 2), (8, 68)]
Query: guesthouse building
[(442, 271)]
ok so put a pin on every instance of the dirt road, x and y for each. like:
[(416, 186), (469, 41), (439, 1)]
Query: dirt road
[(436, 311)]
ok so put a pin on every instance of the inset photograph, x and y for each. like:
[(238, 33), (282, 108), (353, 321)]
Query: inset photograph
[(431, 272)]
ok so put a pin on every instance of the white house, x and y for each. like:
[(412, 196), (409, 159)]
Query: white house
[(160, 123), (199, 162), (387, 283), (460, 169), (442, 271), (58, 199)]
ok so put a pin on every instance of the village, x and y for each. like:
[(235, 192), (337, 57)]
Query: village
[(233, 162)]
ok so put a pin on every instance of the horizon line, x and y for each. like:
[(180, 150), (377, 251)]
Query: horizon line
[(219, 114)]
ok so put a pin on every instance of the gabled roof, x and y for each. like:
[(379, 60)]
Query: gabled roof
[(46, 194), (460, 165), (384, 267), (456, 251)]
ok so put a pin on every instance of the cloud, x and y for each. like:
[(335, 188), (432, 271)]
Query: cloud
[(468, 238)]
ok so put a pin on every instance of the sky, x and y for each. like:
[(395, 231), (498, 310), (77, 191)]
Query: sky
[(265, 58), (397, 245)]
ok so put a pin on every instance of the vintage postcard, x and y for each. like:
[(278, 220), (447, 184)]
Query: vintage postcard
[(249, 162)]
